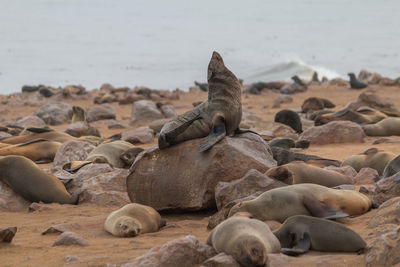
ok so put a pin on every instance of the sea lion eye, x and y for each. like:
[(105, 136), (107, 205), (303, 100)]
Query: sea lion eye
[(124, 227)]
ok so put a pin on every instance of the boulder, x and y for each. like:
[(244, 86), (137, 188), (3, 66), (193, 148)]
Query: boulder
[(345, 170), (72, 151), (383, 247), (281, 99), (98, 183), (30, 121), (221, 260), (185, 251), (82, 128), (55, 113), (387, 188), (184, 179), (334, 132), (366, 176), (68, 239), (4, 135), (253, 181), (145, 110), (11, 201), (157, 125), (387, 213), (168, 111), (7, 234), (141, 135), (100, 112)]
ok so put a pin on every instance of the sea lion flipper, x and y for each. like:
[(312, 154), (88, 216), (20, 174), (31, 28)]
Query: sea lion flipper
[(241, 131), (292, 251), (74, 166), (32, 142), (217, 133), (39, 130), (322, 210), (304, 243)]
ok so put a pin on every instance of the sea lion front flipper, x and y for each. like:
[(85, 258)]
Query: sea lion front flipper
[(74, 166), (241, 131), (32, 142), (292, 251), (322, 210), (39, 130), (217, 133)]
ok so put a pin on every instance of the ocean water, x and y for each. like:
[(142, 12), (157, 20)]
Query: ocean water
[(167, 44)]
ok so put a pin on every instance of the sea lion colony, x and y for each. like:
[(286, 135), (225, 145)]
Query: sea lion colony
[(303, 200)]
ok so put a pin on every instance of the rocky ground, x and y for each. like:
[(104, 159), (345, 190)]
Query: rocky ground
[(379, 227)]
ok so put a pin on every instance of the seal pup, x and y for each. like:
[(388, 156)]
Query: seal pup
[(385, 127), (32, 183), (39, 150), (290, 118), (315, 103), (371, 158), (284, 156), (133, 219), (356, 84), (213, 119), (304, 199), (301, 233), (247, 240), (78, 114), (298, 172)]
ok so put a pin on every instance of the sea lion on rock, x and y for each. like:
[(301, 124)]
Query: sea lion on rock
[(32, 183), (385, 127), (289, 118), (300, 233), (299, 172), (215, 118), (39, 150), (79, 114), (371, 158), (392, 167), (356, 84), (247, 240), (304, 199), (133, 219)]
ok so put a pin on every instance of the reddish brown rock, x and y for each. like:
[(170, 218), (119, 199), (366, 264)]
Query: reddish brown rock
[(182, 178), (387, 213), (100, 112), (383, 247), (82, 128), (7, 234), (334, 132), (366, 176), (141, 135), (72, 151), (221, 260)]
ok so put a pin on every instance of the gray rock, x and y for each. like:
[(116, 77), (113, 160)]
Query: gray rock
[(81, 128), (61, 228), (11, 201), (168, 111), (30, 121), (334, 132), (72, 151), (157, 125), (55, 113), (187, 251), (182, 178), (4, 135), (69, 239), (145, 111), (71, 259), (253, 181), (383, 248), (387, 188), (7, 234), (387, 213), (141, 135), (100, 112), (221, 260)]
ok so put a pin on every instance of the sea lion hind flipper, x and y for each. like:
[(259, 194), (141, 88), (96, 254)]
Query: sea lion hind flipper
[(162, 223), (39, 130), (73, 167), (32, 142), (43, 161), (217, 133), (292, 251), (304, 243), (322, 210), (241, 131)]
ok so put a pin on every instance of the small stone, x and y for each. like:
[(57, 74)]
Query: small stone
[(68, 239)]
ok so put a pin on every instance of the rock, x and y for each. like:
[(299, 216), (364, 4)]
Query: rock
[(387, 213), (282, 99), (68, 239), (338, 82), (100, 112), (99, 184), (345, 187), (72, 151), (4, 135), (168, 111), (11, 201), (221, 260), (61, 228), (30, 121), (71, 259), (375, 101), (223, 213), (39, 207), (145, 110), (7, 234), (387, 188), (384, 247), (253, 181), (157, 125), (185, 251), (346, 170), (130, 98), (174, 186), (81, 128), (282, 130), (141, 135), (334, 132), (117, 125), (55, 113), (366, 176)]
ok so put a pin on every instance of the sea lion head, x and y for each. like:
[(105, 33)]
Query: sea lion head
[(99, 159), (128, 227), (251, 252), (216, 65), (129, 156)]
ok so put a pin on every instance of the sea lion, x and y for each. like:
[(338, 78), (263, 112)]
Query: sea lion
[(133, 219), (39, 150), (215, 118), (31, 182), (288, 143), (299, 172), (289, 118), (315, 77), (283, 156), (39, 133), (392, 167), (315, 103), (356, 84), (79, 114), (247, 240), (129, 155), (371, 158), (385, 127), (363, 115), (304, 199), (301, 233)]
